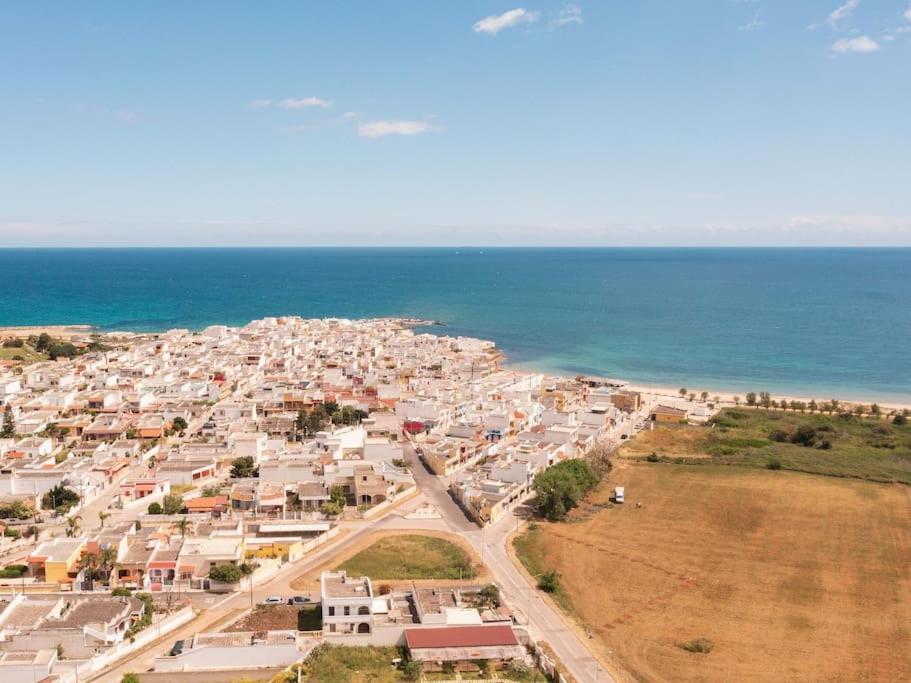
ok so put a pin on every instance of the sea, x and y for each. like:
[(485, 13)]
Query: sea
[(805, 322)]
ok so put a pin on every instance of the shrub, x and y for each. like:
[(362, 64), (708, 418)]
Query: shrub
[(899, 420), (226, 573), (780, 436), (60, 499), (804, 436), (172, 504), (13, 571), (653, 457), (699, 646), (549, 581), (155, 509), (773, 464), (129, 678), (121, 592), (825, 445)]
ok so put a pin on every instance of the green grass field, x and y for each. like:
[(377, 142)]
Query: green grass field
[(26, 352), (843, 446), (411, 556)]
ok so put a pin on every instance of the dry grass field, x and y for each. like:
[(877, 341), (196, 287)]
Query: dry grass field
[(781, 576)]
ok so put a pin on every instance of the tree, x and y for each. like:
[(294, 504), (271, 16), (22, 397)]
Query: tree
[(172, 504), (338, 496), (490, 594), (178, 424), (704, 396), (561, 487), (102, 515), (9, 424), (859, 410), (43, 342), (182, 525), (73, 526), (692, 396), (682, 391), (155, 508), (899, 420), (765, 399), (875, 410), (736, 400), (751, 398), (243, 467), (59, 498), (226, 573), (812, 406), (130, 678)]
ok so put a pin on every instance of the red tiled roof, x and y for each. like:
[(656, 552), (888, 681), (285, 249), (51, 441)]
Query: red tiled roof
[(460, 636)]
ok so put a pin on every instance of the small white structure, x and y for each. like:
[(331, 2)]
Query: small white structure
[(618, 494)]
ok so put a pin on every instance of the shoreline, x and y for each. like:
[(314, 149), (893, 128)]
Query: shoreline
[(438, 327)]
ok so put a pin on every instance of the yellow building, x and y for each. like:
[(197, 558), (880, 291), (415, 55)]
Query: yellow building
[(57, 561)]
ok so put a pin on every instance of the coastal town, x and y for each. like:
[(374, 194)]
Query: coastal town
[(157, 488)]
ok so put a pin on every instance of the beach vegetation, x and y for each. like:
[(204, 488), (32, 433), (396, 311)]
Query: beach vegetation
[(839, 444), (751, 398)]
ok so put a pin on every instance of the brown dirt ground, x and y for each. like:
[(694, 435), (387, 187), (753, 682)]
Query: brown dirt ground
[(792, 577), (310, 580), (267, 618), (669, 441)]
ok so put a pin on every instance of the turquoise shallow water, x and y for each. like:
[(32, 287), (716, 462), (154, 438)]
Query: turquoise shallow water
[(808, 321)]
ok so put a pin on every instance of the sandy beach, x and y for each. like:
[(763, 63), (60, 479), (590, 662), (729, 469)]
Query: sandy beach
[(67, 331), (727, 397)]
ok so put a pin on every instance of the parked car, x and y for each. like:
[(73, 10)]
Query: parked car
[(299, 600), (274, 600), (177, 649)]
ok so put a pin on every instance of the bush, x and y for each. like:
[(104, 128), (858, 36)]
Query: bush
[(899, 420), (13, 571), (226, 573), (653, 457), (130, 678), (699, 646), (243, 467), (155, 509), (549, 581), (13, 343), (804, 436), (121, 592), (773, 464), (10, 532), (780, 436)]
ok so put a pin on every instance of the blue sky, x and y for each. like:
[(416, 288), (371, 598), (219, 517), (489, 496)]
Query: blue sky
[(710, 122)]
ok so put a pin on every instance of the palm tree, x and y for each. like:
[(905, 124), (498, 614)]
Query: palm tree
[(89, 562), (102, 515), (72, 526), (182, 525), (106, 561)]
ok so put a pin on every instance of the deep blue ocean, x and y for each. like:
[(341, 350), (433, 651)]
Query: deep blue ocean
[(808, 321)]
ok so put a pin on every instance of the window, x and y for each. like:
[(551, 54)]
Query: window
[(347, 610), (363, 609), (331, 611)]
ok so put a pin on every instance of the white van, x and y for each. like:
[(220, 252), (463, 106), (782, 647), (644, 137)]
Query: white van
[(618, 494)]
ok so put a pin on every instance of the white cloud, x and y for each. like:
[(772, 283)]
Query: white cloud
[(754, 24), (704, 196), (842, 13), (304, 103), (291, 103), (570, 14), (862, 44), (494, 24), (378, 129), (351, 115), (907, 13)]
